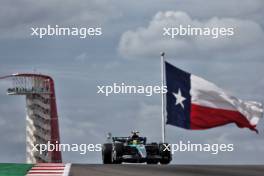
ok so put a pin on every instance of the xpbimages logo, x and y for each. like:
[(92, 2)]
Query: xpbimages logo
[(130, 89), (82, 32), (81, 148), (192, 147), (189, 30)]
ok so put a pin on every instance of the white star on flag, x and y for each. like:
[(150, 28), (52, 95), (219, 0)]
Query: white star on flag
[(179, 98)]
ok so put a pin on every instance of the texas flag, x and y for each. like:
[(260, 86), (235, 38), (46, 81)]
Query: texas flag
[(194, 103)]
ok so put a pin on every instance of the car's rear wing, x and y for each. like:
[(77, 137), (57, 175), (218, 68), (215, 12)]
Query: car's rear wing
[(120, 139), (126, 139)]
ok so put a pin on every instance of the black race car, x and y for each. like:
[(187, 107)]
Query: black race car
[(134, 149)]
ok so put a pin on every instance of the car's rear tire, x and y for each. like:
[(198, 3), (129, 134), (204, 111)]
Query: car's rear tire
[(152, 162), (107, 153), (164, 161), (152, 150), (117, 153), (164, 153)]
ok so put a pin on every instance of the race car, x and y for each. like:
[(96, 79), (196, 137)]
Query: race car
[(134, 149)]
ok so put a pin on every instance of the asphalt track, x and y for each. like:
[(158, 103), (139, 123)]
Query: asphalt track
[(165, 170)]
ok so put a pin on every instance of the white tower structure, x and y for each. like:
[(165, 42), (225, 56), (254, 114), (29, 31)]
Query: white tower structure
[(41, 114)]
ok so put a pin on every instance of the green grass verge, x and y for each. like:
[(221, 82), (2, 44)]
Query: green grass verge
[(7, 169)]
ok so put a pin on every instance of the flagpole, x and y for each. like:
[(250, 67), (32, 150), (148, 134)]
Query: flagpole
[(162, 59)]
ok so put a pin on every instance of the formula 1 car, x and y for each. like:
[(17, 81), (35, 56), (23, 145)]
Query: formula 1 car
[(134, 149)]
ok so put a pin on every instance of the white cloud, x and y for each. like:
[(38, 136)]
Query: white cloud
[(149, 41)]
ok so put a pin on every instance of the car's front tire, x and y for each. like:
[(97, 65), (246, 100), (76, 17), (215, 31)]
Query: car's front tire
[(107, 153), (164, 153), (117, 153)]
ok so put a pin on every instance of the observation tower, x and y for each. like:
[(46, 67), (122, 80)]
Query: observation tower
[(41, 114)]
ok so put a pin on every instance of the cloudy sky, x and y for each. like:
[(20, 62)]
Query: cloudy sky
[(128, 51)]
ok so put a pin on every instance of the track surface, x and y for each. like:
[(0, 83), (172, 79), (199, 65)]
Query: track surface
[(168, 170)]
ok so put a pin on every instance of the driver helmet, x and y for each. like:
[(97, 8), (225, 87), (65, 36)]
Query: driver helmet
[(135, 134)]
